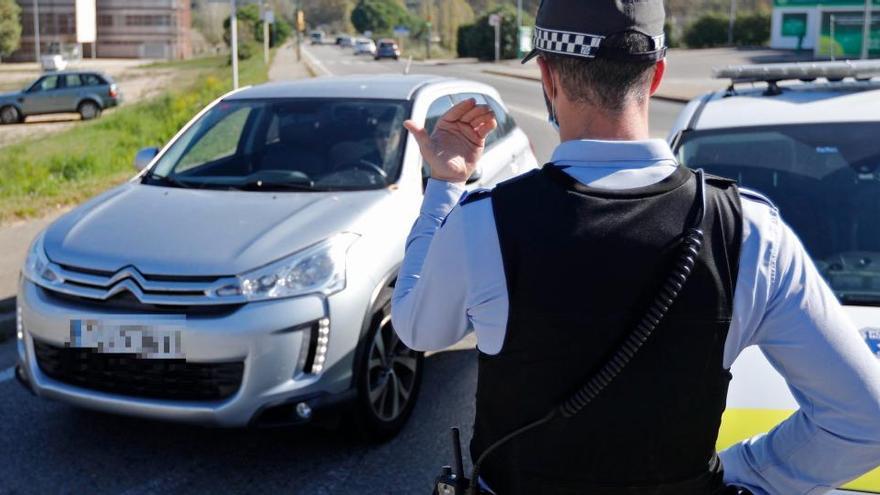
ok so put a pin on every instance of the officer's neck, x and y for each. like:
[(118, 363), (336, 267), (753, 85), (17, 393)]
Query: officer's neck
[(585, 121)]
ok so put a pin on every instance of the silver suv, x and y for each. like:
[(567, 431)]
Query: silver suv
[(244, 276)]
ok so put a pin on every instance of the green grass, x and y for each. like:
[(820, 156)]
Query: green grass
[(68, 167)]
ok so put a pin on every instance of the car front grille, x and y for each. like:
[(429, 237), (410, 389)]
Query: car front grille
[(152, 291), (128, 375)]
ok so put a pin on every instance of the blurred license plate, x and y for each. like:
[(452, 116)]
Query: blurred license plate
[(147, 340)]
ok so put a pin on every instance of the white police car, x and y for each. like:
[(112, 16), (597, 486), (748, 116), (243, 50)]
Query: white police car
[(808, 137)]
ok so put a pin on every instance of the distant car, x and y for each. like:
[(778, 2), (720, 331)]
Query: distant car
[(364, 46), (811, 148), (253, 260), (317, 37), (345, 41), (387, 49), (86, 93)]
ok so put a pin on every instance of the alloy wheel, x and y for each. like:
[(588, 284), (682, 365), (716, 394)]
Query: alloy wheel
[(391, 372)]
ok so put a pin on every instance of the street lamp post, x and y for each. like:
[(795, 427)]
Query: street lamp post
[(36, 32), (732, 21), (233, 41), (866, 30)]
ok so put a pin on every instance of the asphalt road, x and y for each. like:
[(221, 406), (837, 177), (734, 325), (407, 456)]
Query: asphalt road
[(49, 447)]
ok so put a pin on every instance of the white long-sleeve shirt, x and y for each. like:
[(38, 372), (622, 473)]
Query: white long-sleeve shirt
[(452, 281)]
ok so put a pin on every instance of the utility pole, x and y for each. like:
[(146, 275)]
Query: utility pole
[(233, 30), (732, 21), (264, 17), (833, 39), (36, 32), (866, 30), (518, 18)]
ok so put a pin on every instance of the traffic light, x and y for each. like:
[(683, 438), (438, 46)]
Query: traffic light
[(300, 21)]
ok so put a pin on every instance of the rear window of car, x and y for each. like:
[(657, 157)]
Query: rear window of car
[(91, 80)]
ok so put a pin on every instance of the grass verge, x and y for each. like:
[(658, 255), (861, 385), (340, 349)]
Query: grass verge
[(68, 167)]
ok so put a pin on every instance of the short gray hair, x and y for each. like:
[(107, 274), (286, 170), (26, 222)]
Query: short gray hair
[(607, 83)]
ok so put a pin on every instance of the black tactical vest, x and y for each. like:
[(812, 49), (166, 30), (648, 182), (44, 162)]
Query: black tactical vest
[(582, 265)]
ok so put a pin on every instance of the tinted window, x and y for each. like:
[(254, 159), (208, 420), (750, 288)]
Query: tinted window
[(45, 84), (72, 81), (91, 80), (314, 143), (824, 178)]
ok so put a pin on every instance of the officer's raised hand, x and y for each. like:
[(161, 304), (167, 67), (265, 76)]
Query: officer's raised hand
[(457, 143)]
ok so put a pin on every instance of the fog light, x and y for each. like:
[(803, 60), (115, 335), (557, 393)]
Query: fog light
[(303, 410), (19, 323)]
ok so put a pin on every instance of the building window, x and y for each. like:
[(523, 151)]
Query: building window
[(147, 20), (105, 20)]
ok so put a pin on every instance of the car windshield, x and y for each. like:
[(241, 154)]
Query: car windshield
[(288, 144), (825, 179)]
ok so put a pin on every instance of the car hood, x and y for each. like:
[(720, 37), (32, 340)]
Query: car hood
[(10, 95), (173, 231)]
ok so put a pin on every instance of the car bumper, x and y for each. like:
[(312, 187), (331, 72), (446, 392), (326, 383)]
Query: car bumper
[(264, 336)]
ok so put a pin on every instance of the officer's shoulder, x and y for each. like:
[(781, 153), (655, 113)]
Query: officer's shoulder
[(754, 196), (483, 193), (474, 196)]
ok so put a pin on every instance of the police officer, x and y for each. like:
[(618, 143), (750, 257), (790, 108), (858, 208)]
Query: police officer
[(554, 268)]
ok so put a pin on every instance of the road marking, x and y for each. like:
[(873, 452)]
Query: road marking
[(542, 116), (7, 374), (315, 62)]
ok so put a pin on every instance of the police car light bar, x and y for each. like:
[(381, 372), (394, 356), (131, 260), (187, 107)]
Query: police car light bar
[(804, 71)]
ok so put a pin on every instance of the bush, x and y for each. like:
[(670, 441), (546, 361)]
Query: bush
[(478, 39), (707, 31), (752, 29)]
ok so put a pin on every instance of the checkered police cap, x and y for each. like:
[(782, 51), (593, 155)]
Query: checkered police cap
[(579, 27)]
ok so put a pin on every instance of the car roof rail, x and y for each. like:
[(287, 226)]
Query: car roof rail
[(772, 74)]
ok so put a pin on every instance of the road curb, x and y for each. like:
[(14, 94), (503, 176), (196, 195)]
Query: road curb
[(658, 96), (315, 68)]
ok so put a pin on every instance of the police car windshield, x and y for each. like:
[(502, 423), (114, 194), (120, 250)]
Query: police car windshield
[(293, 144), (825, 179)]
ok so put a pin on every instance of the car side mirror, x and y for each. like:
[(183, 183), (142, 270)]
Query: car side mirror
[(144, 157), (477, 175)]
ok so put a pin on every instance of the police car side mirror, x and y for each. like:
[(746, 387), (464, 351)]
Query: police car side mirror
[(477, 175)]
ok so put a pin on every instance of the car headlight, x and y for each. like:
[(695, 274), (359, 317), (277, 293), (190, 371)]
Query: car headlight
[(317, 269), (37, 267)]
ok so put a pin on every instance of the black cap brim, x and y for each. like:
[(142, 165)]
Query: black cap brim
[(532, 54)]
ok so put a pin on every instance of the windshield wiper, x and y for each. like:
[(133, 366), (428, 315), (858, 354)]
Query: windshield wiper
[(287, 185), (167, 180)]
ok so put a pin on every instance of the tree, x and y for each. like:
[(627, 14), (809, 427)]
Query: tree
[(10, 27), (248, 17), (478, 39), (379, 16), (335, 14), (447, 16)]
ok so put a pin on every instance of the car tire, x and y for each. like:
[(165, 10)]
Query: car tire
[(384, 366), (10, 115), (89, 110)]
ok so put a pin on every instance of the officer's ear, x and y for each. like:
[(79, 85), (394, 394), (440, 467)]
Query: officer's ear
[(659, 71), (547, 78)]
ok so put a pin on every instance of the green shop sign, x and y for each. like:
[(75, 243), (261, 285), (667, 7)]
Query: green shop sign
[(824, 3)]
